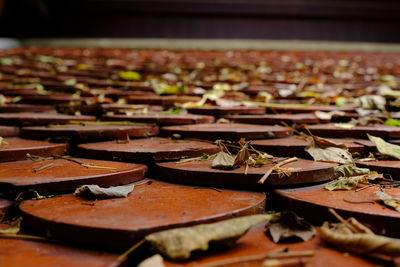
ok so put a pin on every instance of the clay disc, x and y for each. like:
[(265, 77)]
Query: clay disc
[(312, 203), (226, 110), (200, 172), (256, 243), (162, 119), (386, 167), (149, 208), (17, 148), (40, 118), (330, 130), (20, 252), (8, 131), (64, 175), (25, 108), (82, 132), (231, 131), (295, 145), (308, 118), (149, 149)]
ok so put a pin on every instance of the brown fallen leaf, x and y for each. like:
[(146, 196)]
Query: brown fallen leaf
[(223, 161), (102, 192), (177, 244), (350, 183), (385, 148), (322, 149), (287, 225), (366, 242)]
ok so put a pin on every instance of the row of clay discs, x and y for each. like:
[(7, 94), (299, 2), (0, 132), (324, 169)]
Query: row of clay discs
[(151, 152)]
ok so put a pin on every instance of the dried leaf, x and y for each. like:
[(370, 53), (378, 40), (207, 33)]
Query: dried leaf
[(153, 261), (287, 225), (324, 150), (392, 122), (344, 125), (242, 156), (363, 243), (70, 82), (328, 115), (102, 192), (3, 141), (130, 75), (388, 200), (371, 102), (165, 89), (223, 161), (348, 170), (178, 243), (385, 148), (350, 183), (14, 227)]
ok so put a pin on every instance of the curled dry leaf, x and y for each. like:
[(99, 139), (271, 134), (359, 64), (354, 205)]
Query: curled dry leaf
[(153, 261), (223, 161), (102, 192), (14, 227), (350, 183), (365, 242), (388, 200), (177, 244), (242, 156), (287, 225), (322, 149), (385, 148)]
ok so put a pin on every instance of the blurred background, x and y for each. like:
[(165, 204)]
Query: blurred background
[(324, 20)]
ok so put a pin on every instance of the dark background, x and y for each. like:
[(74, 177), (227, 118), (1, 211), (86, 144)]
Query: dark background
[(335, 20)]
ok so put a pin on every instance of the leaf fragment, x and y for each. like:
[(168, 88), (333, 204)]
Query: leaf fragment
[(177, 244), (287, 225), (322, 149), (223, 161), (348, 170), (153, 261), (371, 102), (104, 192), (350, 183), (392, 122), (344, 125), (328, 115), (385, 148), (14, 227), (388, 200), (130, 75), (3, 141)]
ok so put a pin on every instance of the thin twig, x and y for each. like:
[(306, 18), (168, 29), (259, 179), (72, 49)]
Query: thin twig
[(267, 255), (346, 223), (265, 176), (44, 167), (124, 255), (33, 237), (365, 187)]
